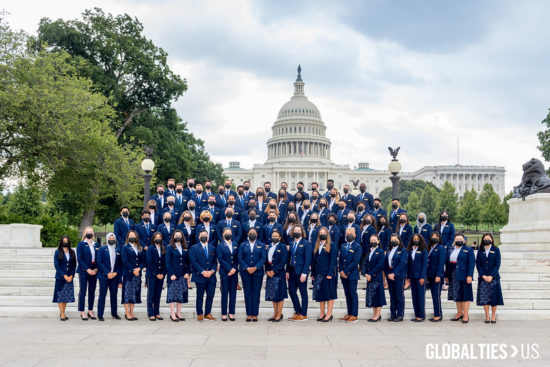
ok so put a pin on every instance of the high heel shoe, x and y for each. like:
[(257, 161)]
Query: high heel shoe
[(279, 319), (457, 318), (83, 319), (180, 318), (487, 321), (375, 320), (175, 320), (91, 316), (321, 318), (328, 320), (127, 318)]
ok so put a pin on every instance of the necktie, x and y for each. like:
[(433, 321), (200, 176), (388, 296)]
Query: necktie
[(127, 223), (206, 251), (147, 228)]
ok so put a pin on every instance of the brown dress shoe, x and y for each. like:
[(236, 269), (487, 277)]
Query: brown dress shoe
[(343, 319), (301, 318), (210, 317), (200, 318), (238, 287), (351, 319), (293, 318)]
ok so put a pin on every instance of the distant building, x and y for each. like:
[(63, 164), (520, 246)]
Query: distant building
[(300, 151)]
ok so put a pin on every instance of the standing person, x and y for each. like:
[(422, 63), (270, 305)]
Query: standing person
[(252, 256), (133, 262), (297, 272), (156, 270), (145, 229), (122, 225), (166, 228), (368, 228), (349, 261), (395, 214), (275, 286), (178, 269), (208, 227), (446, 229), (384, 233), (404, 229), (323, 274), (396, 273), (417, 268), (366, 197), (437, 256), (272, 225), (423, 227), (489, 291), (459, 273), (86, 255), (372, 268), (204, 263), (379, 211), (227, 252), (109, 264), (186, 224), (154, 212), (64, 261)]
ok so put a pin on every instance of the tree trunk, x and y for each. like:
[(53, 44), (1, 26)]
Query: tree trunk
[(87, 219)]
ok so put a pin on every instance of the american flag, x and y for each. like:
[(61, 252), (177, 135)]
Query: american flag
[(301, 150)]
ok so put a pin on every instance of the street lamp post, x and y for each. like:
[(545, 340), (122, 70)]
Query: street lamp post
[(394, 167), (147, 165)]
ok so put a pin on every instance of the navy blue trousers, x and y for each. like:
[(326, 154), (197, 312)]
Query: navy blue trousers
[(397, 297), (252, 287), (418, 293), (435, 289), (352, 298), (110, 285), (294, 285), (86, 282), (229, 291), (154, 290), (208, 286)]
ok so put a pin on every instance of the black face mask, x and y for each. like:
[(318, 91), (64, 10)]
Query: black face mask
[(402, 221), (272, 206), (186, 219), (341, 207), (444, 218), (362, 189), (322, 205), (171, 203), (179, 191), (220, 191), (206, 219), (191, 207), (229, 215), (146, 219), (394, 243), (382, 224), (167, 220), (351, 220), (267, 189), (323, 237), (247, 188), (297, 235), (227, 236), (331, 222), (313, 220), (420, 220), (171, 186), (153, 207), (367, 222), (376, 206), (350, 238), (132, 240), (208, 187), (199, 192), (346, 191), (434, 240), (228, 186), (300, 189), (394, 206), (89, 235), (360, 208), (306, 206), (272, 219), (66, 244), (160, 192), (487, 242), (252, 237), (191, 184), (203, 239), (330, 186), (158, 241), (292, 220), (416, 243), (240, 192), (459, 243), (332, 195), (275, 240), (111, 242), (212, 203), (125, 214), (252, 217), (231, 202), (373, 244), (260, 193)]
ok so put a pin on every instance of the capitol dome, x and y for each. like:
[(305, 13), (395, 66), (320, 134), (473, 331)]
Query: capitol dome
[(299, 133)]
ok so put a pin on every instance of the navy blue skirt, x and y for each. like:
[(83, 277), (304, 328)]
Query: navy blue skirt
[(375, 296), (63, 292), (325, 289), (459, 290), (178, 291), (131, 289), (489, 293), (275, 288)]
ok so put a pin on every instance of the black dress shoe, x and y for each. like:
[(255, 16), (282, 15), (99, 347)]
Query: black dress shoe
[(375, 320), (492, 321), (180, 318), (328, 320), (100, 318), (398, 319), (417, 320), (487, 321), (134, 318), (434, 320), (83, 319), (392, 318), (248, 320), (160, 318), (231, 319), (116, 317), (254, 320), (128, 318), (224, 319), (152, 319), (175, 320), (91, 317), (457, 318), (321, 318)]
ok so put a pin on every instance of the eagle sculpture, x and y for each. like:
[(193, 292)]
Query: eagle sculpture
[(394, 152)]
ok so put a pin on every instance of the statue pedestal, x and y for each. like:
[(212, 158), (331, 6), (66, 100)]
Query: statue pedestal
[(20, 235), (528, 223)]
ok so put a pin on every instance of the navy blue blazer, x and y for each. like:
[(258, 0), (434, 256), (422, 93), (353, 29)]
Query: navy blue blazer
[(84, 256), (257, 226), (324, 263), (300, 257), (64, 267), (385, 235), (305, 221), (242, 201), (365, 238), (417, 268), (359, 216), (465, 264), (260, 217), (155, 264), (271, 195), (425, 232), (349, 260), (341, 215), (144, 237), (448, 234), (278, 262), (189, 192), (161, 201), (380, 212), (175, 211), (398, 264), (312, 235), (323, 214), (368, 199), (343, 229), (104, 263), (488, 265), (181, 202), (406, 234), (334, 233), (375, 266), (351, 201), (266, 231), (436, 261), (221, 201), (189, 235), (156, 218), (228, 259), (200, 263), (130, 260), (236, 230), (215, 211), (200, 200), (256, 258), (166, 235), (394, 218), (212, 238), (177, 264), (121, 230)]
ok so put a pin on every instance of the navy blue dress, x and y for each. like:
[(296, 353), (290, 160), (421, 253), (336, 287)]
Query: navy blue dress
[(323, 265), (374, 266), (63, 291), (177, 264), (131, 284), (489, 293), (457, 272), (275, 286)]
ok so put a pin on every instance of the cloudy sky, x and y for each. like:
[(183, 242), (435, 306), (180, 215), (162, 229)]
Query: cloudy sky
[(415, 74)]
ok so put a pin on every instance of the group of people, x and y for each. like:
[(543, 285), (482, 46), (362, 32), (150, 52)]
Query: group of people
[(190, 234)]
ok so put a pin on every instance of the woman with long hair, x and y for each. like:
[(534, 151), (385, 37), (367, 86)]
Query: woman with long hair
[(133, 262), (86, 255), (64, 260), (437, 256), (156, 269), (459, 274), (416, 275), (489, 291), (396, 273), (275, 287), (178, 269), (324, 274)]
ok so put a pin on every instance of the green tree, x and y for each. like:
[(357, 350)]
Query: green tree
[(413, 206), (469, 209), (544, 138), (25, 201), (448, 200), (493, 212), (428, 204), (405, 187)]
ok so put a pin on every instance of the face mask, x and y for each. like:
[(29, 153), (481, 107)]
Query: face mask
[(421, 220), (346, 191), (459, 243), (361, 208), (331, 222), (171, 186), (306, 206), (315, 197), (275, 240), (300, 188), (160, 192), (281, 194), (272, 206), (434, 240), (351, 220), (362, 189), (444, 218), (186, 219), (231, 202), (376, 206), (341, 207), (170, 203), (330, 186), (153, 207), (240, 192), (111, 242), (166, 220), (208, 187), (220, 191), (206, 219), (322, 205), (394, 206), (158, 241), (297, 234), (367, 221), (203, 239), (416, 243), (252, 217), (402, 221), (229, 215), (313, 220), (125, 214), (190, 184), (89, 235), (66, 244), (382, 224), (332, 195), (191, 207), (395, 243), (252, 237), (323, 237), (373, 244), (246, 188), (228, 186), (199, 192), (260, 193), (267, 189), (350, 237), (292, 219), (227, 236), (487, 242), (146, 219), (212, 203), (272, 219), (179, 191), (132, 240)]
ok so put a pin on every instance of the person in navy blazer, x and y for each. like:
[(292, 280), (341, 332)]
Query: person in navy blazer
[(384, 233), (368, 228), (186, 224), (395, 214), (459, 272), (181, 198), (251, 221), (267, 189), (342, 213), (214, 210), (145, 229), (241, 198), (133, 263), (229, 222), (315, 200), (372, 268), (269, 227), (350, 223), (204, 264), (190, 189), (64, 260), (122, 225), (324, 274), (275, 287), (271, 205), (378, 210), (200, 198), (167, 228), (312, 229), (221, 199), (282, 203), (395, 268), (109, 275), (231, 205), (300, 256), (489, 291), (417, 268), (155, 258), (366, 197), (252, 257), (228, 191), (404, 229), (447, 230), (304, 213), (348, 198), (323, 212), (160, 198), (423, 227), (300, 188), (437, 256), (348, 264), (333, 229), (361, 212), (86, 255), (227, 252), (208, 226), (171, 208), (178, 268), (192, 208)]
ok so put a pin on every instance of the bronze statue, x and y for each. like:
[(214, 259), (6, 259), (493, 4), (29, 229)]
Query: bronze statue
[(393, 152), (355, 183), (534, 180)]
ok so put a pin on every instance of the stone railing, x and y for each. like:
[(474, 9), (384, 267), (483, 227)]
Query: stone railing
[(20, 235)]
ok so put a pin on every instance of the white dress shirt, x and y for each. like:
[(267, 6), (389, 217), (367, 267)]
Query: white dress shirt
[(134, 247), (230, 247), (180, 250), (392, 252), (487, 249), (413, 253), (112, 256), (271, 251), (372, 252), (454, 255), (92, 250)]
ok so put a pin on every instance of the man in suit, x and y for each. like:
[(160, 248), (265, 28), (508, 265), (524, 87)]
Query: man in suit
[(123, 225), (247, 193), (289, 196), (231, 223), (348, 263), (109, 273), (269, 227), (171, 187), (189, 191), (366, 197), (350, 200), (349, 223), (160, 198), (208, 188), (145, 229), (300, 187), (297, 273), (242, 198), (330, 186), (342, 213), (204, 263), (172, 209), (379, 211), (270, 194), (227, 189), (180, 198), (200, 198), (214, 210), (395, 214), (221, 199)]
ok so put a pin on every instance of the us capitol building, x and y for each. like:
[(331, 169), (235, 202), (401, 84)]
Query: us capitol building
[(300, 151)]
